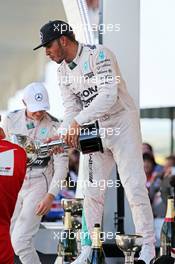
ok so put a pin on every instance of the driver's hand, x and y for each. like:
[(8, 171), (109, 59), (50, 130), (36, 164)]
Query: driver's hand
[(56, 149)]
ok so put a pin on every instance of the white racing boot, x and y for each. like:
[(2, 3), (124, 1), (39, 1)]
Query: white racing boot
[(82, 258), (147, 253)]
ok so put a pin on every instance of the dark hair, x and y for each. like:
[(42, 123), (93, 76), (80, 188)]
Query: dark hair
[(148, 145), (70, 37), (149, 157)]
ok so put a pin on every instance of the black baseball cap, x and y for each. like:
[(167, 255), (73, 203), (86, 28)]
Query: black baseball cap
[(53, 30)]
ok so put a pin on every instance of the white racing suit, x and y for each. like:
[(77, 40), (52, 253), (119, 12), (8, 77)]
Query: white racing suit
[(93, 89), (43, 176)]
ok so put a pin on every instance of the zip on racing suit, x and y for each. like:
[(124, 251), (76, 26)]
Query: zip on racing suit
[(45, 175), (93, 89)]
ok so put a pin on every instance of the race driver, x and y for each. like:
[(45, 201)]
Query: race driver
[(12, 173), (93, 89), (43, 179)]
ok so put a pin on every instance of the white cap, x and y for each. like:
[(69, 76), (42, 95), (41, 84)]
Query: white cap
[(36, 97)]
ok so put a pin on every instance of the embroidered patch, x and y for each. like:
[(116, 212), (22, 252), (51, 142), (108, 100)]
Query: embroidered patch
[(43, 131), (101, 56), (38, 97), (30, 125), (86, 67), (72, 65)]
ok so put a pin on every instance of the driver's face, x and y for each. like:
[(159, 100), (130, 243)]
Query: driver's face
[(37, 116), (55, 51)]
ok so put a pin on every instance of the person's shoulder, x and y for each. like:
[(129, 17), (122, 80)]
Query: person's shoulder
[(103, 52), (15, 113), (100, 53), (95, 47), (12, 146), (89, 47), (20, 151), (102, 47)]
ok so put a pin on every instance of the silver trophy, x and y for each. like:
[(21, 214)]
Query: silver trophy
[(89, 141), (35, 148), (129, 244)]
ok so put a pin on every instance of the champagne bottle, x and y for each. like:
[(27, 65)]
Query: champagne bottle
[(69, 239), (167, 246), (97, 256)]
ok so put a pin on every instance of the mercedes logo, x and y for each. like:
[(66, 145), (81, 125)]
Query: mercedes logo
[(38, 97)]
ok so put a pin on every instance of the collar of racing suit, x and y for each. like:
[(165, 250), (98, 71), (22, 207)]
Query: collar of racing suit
[(74, 63)]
